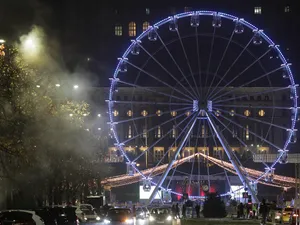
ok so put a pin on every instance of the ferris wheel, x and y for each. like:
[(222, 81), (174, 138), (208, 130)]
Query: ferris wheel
[(202, 82)]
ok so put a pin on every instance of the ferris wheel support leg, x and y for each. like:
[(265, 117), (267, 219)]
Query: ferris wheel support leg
[(232, 159), (164, 175)]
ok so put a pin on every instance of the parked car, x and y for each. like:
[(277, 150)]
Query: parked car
[(20, 217), (47, 216), (87, 213)]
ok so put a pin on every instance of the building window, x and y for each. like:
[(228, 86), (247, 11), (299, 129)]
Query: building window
[(287, 9), (118, 30), (261, 113), (132, 29), (174, 132), (159, 112), (257, 10), (158, 132), (146, 25), (147, 11), (232, 112), (173, 113), (247, 112), (115, 112), (187, 9), (158, 153), (247, 136), (144, 113), (145, 134), (129, 113), (129, 132)]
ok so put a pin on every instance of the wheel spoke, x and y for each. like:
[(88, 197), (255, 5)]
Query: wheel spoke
[(210, 54), (164, 68), (253, 119), (150, 115), (178, 67), (252, 94), (165, 135), (152, 103), (241, 73), (234, 62), (188, 63), (255, 106), (251, 132), (167, 152), (154, 91), (247, 83), (240, 140), (155, 127), (220, 63), (199, 63), (157, 79)]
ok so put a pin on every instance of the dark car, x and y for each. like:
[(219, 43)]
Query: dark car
[(119, 215), (46, 216), (160, 215), (64, 215), (20, 217)]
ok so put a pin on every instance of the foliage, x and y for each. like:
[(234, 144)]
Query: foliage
[(44, 147), (214, 207)]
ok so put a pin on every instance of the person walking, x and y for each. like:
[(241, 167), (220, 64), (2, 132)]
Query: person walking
[(254, 210), (263, 210), (197, 209), (177, 211)]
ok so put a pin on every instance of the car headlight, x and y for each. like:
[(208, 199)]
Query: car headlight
[(151, 218), (85, 218), (169, 218), (106, 221), (141, 214), (129, 221), (98, 218)]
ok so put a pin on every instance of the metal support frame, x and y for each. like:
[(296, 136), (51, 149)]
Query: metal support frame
[(164, 175), (232, 159)]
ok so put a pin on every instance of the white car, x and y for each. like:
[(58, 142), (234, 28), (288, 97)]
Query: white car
[(87, 213), (20, 217)]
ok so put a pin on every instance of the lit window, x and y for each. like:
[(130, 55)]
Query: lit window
[(247, 136), (118, 30), (146, 25), (217, 113), (203, 131), (129, 131), (247, 112), (132, 29), (159, 112), (158, 132), (232, 112), (188, 113), (261, 113), (173, 113), (287, 9), (115, 112), (187, 9), (174, 132), (147, 11), (158, 153), (144, 113), (129, 113), (257, 10), (145, 134)]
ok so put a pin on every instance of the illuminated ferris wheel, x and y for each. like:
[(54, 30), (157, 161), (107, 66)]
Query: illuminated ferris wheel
[(210, 82)]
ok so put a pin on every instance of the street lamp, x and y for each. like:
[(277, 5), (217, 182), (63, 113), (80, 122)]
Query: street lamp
[(57, 85), (75, 86), (2, 41)]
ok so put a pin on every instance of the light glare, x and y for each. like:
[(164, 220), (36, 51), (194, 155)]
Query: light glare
[(75, 86)]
